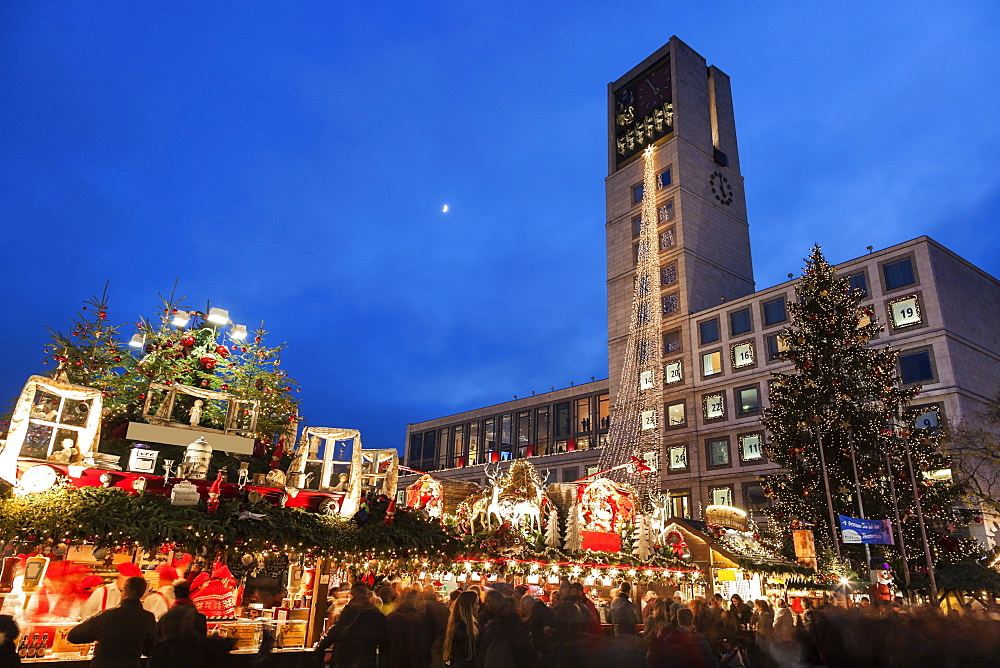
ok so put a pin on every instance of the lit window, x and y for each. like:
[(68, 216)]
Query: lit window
[(675, 414), (742, 354), (898, 273), (928, 419), (667, 211), (722, 496), (776, 345), (680, 504), (709, 331), (748, 400), (739, 322), (714, 406), (774, 311), (678, 457), (718, 452), (672, 372), (750, 447), (711, 363), (904, 312), (916, 367), (663, 179), (671, 341)]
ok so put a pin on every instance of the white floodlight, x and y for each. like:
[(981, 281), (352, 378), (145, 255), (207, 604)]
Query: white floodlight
[(238, 332), (181, 319), (219, 316), (137, 340)]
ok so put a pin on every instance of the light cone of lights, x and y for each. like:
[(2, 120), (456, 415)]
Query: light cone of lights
[(635, 416)]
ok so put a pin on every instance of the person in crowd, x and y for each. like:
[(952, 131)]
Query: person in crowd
[(624, 620), (435, 619), (453, 596), (386, 603), (183, 640), (647, 603), (123, 634), (409, 642), (488, 610), (655, 631), (183, 611), (541, 623), (505, 641), (764, 630), (741, 612), (519, 592), (8, 642), (461, 637), (159, 601), (784, 647), (573, 622), (109, 595), (684, 647), (359, 635), (579, 595)]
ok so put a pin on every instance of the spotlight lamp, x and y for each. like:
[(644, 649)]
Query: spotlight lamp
[(181, 319), (238, 332), (219, 316), (137, 340)]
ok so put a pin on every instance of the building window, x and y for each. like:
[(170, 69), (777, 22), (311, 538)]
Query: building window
[(904, 312), (430, 451), (671, 303), (524, 447), (671, 341), (668, 274), (678, 457), (507, 437), (926, 417), (748, 400), (672, 372), (751, 447), (913, 367), (667, 239), (711, 363), (776, 345), (636, 226), (460, 455), (637, 192), (708, 331), (663, 179), (680, 504), (603, 402), (666, 212), (718, 452), (562, 419), (859, 282), (490, 440), (713, 406), (591, 470), (739, 322), (675, 415), (774, 311), (898, 273), (584, 418), (413, 456), (570, 474), (721, 496), (542, 430), (475, 449), (757, 502), (742, 354)]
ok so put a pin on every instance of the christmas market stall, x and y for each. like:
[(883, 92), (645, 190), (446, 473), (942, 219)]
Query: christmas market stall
[(176, 458)]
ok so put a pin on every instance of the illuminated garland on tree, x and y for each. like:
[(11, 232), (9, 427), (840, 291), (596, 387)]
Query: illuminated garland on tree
[(846, 393)]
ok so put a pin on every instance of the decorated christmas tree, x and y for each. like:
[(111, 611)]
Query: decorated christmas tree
[(843, 405)]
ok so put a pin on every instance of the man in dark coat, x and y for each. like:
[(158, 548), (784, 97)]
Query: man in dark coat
[(123, 634), (623, 616), (359, 633)]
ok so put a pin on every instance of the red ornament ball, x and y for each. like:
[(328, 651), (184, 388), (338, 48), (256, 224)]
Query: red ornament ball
[(207, 363), (224, 387), (204, 383), (222, 351), (187, 340)]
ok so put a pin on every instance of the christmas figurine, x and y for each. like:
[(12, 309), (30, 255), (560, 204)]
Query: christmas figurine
[(390, 512), (214, 491), (244, 474), (196, 413)]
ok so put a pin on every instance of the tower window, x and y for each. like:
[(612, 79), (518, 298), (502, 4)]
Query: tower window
[(637, 192), (898, 273), (709, 331), (858, 282), (774, 311), (663, 179), (916, 367), (739, 322)]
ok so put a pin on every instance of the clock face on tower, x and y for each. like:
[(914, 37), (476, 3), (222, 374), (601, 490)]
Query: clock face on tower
[(643, 111), (721, 189), (652, 90)]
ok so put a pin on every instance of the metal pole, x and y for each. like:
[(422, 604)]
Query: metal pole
[(923, 527), (861, 504), (829, 498), (899, 522)]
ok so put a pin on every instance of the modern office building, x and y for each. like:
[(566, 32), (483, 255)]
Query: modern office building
[(720, 341)]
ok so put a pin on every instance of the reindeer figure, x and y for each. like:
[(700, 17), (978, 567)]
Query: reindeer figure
[(661, 515), (483, 508)]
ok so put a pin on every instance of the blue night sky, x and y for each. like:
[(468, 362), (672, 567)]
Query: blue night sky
[(289, 161)]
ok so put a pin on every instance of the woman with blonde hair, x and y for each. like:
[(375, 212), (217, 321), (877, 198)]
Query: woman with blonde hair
[(461, 636)]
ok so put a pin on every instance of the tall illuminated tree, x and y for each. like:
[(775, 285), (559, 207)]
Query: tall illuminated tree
[(843, 406)]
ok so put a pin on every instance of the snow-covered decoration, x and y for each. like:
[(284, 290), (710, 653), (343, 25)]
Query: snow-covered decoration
[(643, 538), (516, 498), (552, 538), (574, 539)]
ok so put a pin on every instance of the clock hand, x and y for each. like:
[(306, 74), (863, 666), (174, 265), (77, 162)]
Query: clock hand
[(656, 91)]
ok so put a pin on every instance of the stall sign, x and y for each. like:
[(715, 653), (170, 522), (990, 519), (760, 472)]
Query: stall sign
[(291, 635), (60, 645), (726, 516), (857, 530)]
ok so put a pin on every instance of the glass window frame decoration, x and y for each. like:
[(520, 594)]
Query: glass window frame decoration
[(710, 452), (742, 355), (677, 457), (743, 439), (673, 372), (726, 501), (738, 400), (713, 406), (163, 413), (910, 316), (920, 422)]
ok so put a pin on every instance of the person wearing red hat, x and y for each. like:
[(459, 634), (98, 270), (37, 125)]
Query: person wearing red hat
[(109, 595), (57, 598), (159, 601)]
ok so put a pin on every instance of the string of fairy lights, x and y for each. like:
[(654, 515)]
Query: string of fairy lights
[(635, 416)]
